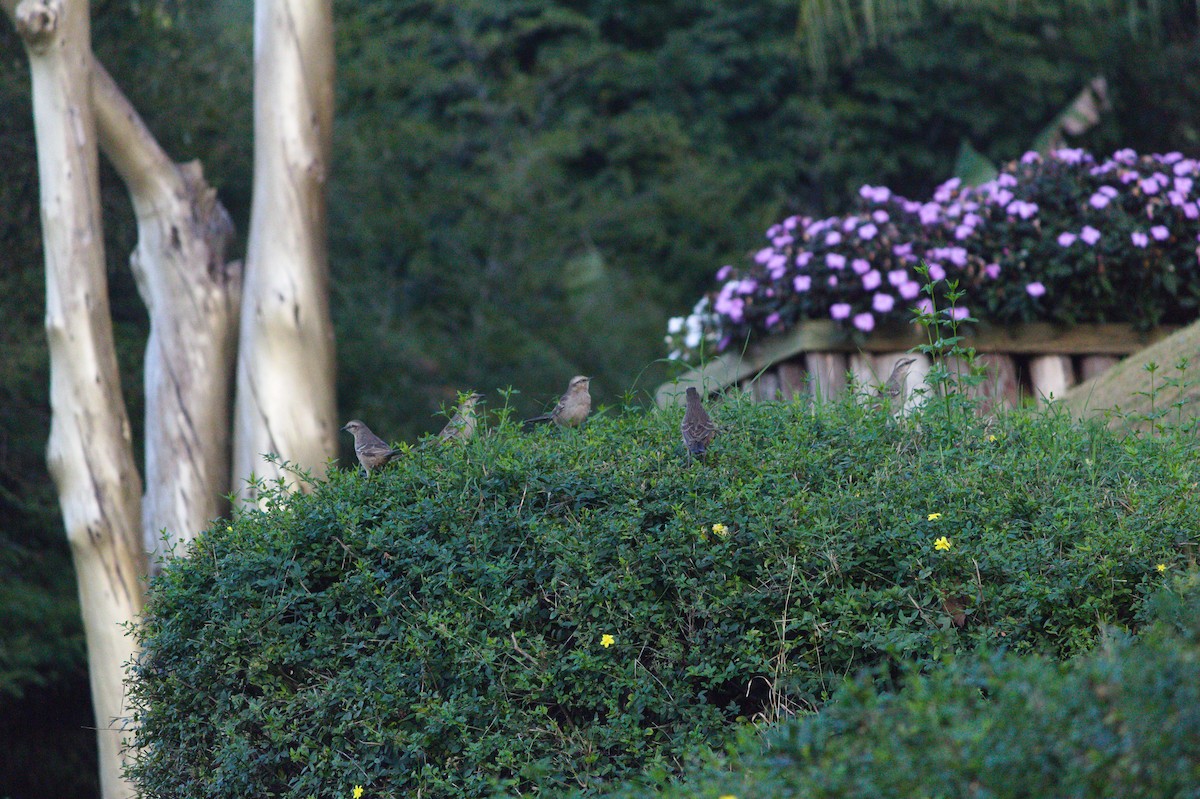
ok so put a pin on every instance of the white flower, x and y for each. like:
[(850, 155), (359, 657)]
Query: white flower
[(675, 325)]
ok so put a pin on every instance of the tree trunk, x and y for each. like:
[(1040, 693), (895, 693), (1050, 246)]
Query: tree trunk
[(285, 401), (192, 296), (89, 452)]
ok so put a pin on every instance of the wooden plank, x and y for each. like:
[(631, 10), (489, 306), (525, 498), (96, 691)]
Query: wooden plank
[(1051, 376), (793, 379), (1093, 365), (827, 374)]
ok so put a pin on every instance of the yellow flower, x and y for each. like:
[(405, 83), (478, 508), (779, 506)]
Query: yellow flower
[(726, 796), (607, 640), (1162, 567), (357, 792), (720, 529), (991, 437), (933, 517), (942, 544)]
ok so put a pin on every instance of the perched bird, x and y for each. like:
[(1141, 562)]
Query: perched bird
[(462, 425), (698, 429), (372, 451), (893, 389), (572, 408)]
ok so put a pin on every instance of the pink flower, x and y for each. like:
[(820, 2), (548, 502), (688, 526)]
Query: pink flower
[(724, 272), (777, 266), (832, 238), (876, 194), (803, 258), (925, 305), (835, 261), (880, 215), (1139, 239), (764, 255), (992, 271), (864, 322), (1035, 289), (860, 266), (802, 282), (1089, 235), (1160, 233), (936, 272), (910, 289), (1069, 156), (930, 213), (1098, 200), (771, 320), (747, 286), (1066, 239), (867, 231), (882, 303), (832, 281), (1191, 210), (898, 277), (958, 313), (1183, 185), (871, 280), (963, 232), (839, 310), (1031, 157), (1022, 209)]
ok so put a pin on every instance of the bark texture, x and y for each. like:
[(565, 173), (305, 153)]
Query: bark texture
[(192, 295), (89, 451), (285, 401)]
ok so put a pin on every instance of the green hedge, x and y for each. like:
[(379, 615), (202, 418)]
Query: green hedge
[(1122, 722), (441, 627)]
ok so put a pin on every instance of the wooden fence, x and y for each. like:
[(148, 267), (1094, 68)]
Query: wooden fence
[(1037, 360)]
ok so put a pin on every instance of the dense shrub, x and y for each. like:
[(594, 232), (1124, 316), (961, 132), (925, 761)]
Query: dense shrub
[(1122, 722), (571, 606), (1062, 238)]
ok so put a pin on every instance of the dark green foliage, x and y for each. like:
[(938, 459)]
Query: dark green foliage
[(441, 627), (1121, 722)]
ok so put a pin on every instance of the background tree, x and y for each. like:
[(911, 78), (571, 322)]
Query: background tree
[(89, 452), (191, 294), (517, 194), (285, 400)]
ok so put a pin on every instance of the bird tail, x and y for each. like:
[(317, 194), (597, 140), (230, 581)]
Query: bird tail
[(529, 424)]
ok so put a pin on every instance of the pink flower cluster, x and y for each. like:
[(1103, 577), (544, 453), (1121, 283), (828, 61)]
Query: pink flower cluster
[(1061, 237)]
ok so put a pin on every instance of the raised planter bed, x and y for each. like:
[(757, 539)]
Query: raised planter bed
[(1037, 360)]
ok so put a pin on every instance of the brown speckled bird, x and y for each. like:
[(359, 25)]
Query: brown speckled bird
[(372, 451), (462, 425), (893, 389), (572, 408), (698, 429)]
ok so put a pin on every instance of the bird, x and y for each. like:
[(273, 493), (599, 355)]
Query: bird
[(893, 389), (372, 451), (572, 408), (698, 429), (462, 425)]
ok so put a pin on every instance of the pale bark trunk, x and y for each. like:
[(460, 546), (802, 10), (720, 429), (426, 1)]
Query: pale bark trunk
[(285, 401), (192, 296), (89, 451)]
